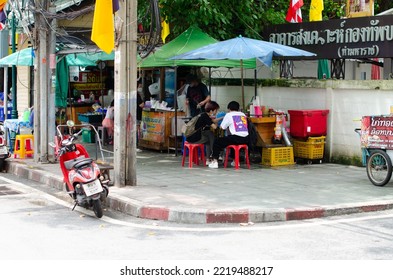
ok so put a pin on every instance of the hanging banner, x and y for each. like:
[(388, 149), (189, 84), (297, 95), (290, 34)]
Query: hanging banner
[(366, 37)]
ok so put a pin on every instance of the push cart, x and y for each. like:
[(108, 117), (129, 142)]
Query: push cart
[(376, 139)]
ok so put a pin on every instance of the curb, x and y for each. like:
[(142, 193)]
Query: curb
[(136, 208), (31, 173)]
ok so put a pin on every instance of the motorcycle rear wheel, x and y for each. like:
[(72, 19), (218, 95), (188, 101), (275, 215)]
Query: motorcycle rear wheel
[(97, 208)]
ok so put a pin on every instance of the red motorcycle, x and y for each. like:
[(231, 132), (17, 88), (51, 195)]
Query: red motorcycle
[(82, 176)]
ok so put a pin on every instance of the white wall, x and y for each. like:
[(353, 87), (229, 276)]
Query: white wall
[(224, 94), (301, 69)]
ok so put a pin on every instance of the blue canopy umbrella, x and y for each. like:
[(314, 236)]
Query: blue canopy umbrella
[(242, 48)]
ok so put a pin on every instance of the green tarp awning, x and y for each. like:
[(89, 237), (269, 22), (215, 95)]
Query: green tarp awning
[(189, 40), (23, 57), (96, 56), (62, 74), (77, 60)]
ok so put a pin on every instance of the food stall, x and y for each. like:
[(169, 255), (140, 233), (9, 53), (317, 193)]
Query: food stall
[(272, 154), (156, 128), (74, 109), (265, 128), (86, 88)]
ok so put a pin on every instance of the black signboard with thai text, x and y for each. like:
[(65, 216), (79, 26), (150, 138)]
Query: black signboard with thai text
[(364, 37)]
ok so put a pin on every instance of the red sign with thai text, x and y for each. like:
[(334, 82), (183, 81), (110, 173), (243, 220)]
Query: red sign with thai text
[(377, 132)]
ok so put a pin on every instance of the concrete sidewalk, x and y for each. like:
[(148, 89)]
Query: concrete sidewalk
[(167, 191)]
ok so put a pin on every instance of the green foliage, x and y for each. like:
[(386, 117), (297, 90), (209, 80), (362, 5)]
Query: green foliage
[(225, 19), (274, 15), (220, 19), (250, 82), (334, 9), (382, 5)]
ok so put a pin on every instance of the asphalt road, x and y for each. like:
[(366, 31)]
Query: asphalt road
[(42, 238), (38, 225)]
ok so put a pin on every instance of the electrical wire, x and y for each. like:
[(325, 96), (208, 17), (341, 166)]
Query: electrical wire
[(154, 35), (27, 11)]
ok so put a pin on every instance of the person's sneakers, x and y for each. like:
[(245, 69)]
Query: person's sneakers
[(138, 150), (233, 163), (213, 164)]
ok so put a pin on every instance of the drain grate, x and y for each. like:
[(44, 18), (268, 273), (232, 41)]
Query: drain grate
[(7, 191)]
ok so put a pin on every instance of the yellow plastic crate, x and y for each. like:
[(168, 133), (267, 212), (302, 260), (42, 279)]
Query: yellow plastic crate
[(313, 148), (277, 156)]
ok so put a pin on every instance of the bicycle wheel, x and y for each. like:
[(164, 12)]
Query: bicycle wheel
[(379, 168)]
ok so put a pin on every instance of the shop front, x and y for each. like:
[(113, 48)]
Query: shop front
[(88, 94)]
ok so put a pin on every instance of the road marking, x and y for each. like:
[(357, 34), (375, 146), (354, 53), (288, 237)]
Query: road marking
[(197, 228)]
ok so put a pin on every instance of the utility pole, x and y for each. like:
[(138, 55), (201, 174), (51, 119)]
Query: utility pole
[(52, 83), (125, 97), (37, 88), (43, 87), (14, 112)]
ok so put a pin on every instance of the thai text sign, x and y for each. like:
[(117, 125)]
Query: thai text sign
[(377, 132), (87, 86), (364, 37), (153, 126)]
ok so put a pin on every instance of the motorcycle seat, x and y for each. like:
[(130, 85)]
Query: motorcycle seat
[(77, 162)]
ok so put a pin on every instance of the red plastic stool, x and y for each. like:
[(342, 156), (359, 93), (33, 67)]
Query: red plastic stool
[(193, 156), (237, 149)]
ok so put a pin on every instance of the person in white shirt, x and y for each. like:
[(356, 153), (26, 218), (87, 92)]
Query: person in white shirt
[(236, 124)]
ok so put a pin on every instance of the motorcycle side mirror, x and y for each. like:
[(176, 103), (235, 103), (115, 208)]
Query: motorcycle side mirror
[(70, 123)]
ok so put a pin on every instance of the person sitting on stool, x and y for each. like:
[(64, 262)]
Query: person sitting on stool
[(236, 123)]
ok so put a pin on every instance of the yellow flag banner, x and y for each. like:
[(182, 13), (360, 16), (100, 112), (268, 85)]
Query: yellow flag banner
[(2, 4), (164, 30), (103, 31), (316, 9)]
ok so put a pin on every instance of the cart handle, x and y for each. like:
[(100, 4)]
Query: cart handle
[(358, 131)]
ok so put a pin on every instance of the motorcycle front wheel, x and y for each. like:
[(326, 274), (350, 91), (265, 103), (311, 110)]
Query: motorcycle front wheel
[(97, 208)]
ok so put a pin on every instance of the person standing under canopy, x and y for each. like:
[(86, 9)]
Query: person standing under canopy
[(197, 95)]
